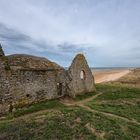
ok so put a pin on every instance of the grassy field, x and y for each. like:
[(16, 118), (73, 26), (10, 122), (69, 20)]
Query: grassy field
[(132, 79), (55, 121), (119, 100)]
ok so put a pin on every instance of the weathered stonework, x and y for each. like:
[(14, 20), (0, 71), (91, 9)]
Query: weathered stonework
[(1, 51), (26, 79), (81, 75)]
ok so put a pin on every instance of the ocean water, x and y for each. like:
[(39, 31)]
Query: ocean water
[(110, 68)]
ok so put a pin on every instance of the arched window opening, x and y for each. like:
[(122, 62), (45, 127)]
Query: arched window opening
[(28, 95), (82, 75)]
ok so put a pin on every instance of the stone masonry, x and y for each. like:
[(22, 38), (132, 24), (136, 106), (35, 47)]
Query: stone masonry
[(82, 78), (26, 79)]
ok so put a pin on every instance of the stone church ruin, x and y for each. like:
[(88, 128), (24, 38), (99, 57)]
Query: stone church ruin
[(26, 79)]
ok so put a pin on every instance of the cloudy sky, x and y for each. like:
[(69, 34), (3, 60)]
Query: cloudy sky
[(106, 31)]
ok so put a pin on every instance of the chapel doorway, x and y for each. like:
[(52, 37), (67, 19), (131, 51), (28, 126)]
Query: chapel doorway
[(59, 89)]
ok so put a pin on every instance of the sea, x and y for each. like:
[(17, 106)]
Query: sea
[(110, 68)]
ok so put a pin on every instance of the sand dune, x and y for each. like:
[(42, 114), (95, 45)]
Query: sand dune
[(109, 75)]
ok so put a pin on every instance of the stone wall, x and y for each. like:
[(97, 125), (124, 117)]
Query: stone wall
[(25, 86), (26, 79), (1, 51), (81, 75)]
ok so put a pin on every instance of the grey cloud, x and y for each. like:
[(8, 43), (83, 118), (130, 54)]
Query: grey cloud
[(71, 48), (16, 38), (106, 31), (14, 41), (10, 34)]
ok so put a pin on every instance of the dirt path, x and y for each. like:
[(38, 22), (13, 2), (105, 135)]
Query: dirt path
[(74, 103), (109, 114), (70, 103), (89, 99), (27, 116), (82, 104)]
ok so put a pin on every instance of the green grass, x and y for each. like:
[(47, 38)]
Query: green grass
[(119, 100), (54, 125), (115, 92), (84, 96), (63, 125), (67, 123), (52, 104), (128, 111)]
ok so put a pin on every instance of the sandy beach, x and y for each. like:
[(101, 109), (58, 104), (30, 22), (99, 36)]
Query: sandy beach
[(109, 75)]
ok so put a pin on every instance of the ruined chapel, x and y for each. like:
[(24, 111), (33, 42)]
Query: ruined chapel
[(26, 79)]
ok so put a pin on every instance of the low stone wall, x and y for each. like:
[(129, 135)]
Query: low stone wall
[(25, 86)]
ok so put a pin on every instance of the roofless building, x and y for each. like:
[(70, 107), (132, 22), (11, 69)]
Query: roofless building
[(26, 79)]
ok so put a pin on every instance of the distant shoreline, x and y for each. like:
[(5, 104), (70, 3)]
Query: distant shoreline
[(108, 75), (111, 68)]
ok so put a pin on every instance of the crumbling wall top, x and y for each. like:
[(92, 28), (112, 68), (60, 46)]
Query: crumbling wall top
[(1, 51)]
